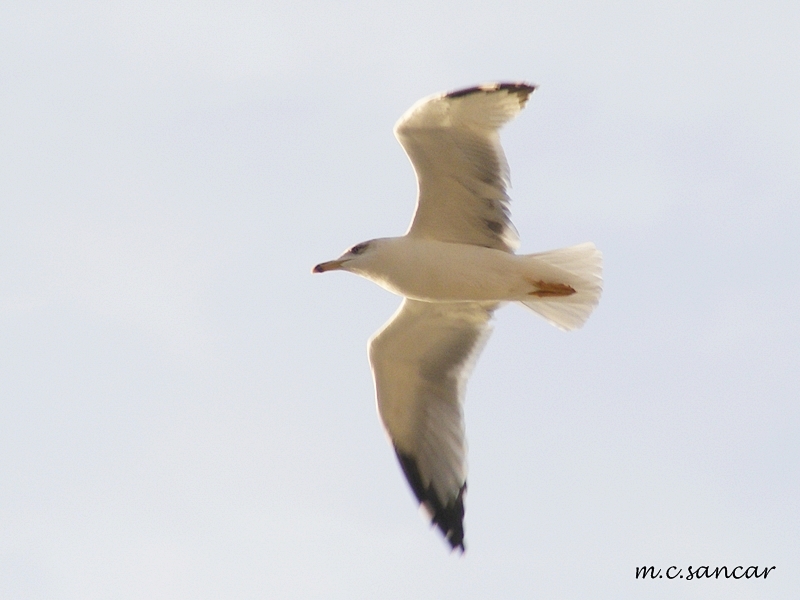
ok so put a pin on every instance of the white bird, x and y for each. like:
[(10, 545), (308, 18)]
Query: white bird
[(454, 266)]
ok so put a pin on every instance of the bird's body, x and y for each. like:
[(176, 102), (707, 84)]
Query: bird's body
[(434, 271), (454, 267)]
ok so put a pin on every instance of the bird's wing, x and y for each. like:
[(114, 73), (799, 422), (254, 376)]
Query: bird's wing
[(421, 360), (453, 143)]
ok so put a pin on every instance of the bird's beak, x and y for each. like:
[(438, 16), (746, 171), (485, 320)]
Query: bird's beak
[(331, 265)]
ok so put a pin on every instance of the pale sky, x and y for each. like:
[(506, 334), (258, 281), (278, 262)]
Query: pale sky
[(187, 412)]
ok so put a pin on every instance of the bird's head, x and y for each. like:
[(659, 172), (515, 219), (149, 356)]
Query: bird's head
[(356, 258)]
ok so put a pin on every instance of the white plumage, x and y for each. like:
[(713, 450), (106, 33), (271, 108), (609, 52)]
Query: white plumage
[(454, 266)]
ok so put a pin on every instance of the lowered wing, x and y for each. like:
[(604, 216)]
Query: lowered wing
[(421, 360)]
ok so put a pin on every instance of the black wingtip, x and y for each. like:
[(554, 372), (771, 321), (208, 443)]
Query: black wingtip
[(448, 518), (522, 90)]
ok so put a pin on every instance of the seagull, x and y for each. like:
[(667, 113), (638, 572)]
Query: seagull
[(454, 267)]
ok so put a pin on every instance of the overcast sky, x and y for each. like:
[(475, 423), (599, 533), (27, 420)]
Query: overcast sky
[(187, 412)]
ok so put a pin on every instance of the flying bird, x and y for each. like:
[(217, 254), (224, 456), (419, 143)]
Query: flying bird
[(454, 267)]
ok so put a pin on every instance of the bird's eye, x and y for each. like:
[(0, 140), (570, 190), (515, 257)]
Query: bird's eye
[(358, 248)]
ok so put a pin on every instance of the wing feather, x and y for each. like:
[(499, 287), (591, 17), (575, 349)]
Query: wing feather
[(421, 360), (453, 143)]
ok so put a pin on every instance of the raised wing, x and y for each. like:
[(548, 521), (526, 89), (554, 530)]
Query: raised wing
[(453, 143), (421, 360)]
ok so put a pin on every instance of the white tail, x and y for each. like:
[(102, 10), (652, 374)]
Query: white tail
[(580, 267)]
